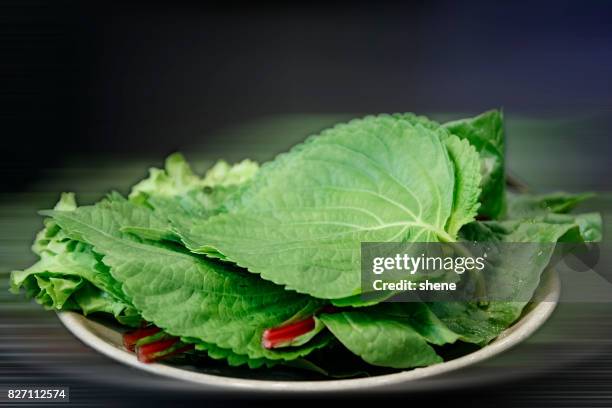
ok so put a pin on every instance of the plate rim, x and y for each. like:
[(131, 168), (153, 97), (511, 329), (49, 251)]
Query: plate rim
[(515, 334)]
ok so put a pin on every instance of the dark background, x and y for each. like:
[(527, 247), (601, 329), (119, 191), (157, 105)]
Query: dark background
[(94, 77), (104, 84)]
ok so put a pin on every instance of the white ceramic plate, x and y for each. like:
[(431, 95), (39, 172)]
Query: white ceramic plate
[(108, 341)]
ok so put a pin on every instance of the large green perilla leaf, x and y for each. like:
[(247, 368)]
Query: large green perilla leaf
[(301, 220)]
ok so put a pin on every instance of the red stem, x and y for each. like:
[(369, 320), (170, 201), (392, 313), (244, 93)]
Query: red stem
[(276, 336), (179, 350), (157, 346), (130, 338), (153, 351)]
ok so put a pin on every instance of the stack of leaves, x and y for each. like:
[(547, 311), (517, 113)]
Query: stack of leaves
[(261, 266)]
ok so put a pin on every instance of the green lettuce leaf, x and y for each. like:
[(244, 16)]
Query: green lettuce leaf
[(90, 299), (70, 276), (177, 177), (301, 220), (176, 189)]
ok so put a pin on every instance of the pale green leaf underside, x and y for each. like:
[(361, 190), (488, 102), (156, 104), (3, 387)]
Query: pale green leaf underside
[(302, 219)]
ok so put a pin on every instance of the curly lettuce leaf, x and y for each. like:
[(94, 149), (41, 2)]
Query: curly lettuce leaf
[(90, 299), (225, 175), (176, 189), (177, 177), (70, 276)]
